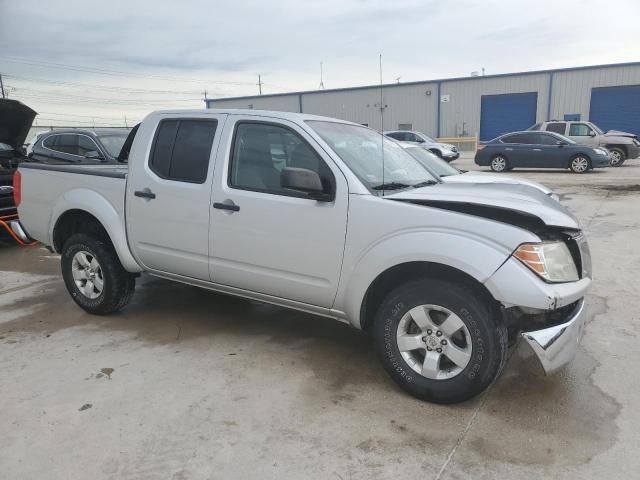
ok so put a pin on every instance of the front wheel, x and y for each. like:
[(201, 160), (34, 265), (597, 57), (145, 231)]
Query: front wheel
[(438, 341), (579, 164), (94, 276), (499, 164), (616, 156)]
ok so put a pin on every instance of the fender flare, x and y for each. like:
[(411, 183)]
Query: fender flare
[(98, 206), (481, 261)]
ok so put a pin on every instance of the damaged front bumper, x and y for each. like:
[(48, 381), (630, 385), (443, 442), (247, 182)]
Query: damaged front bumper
[(556, 346)]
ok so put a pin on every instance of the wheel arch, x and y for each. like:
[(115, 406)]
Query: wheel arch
[(86, 211), (579, 154), (403, 272)]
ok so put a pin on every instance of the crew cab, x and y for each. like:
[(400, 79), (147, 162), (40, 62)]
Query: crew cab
[(621, 145), (328, 217)]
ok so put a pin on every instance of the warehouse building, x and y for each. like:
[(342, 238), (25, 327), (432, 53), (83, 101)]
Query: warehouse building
[(608, 95)]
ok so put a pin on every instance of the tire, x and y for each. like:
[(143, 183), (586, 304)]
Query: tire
[(580, 164), (616, 156), (101, 284), (499, 164), (479, 334)]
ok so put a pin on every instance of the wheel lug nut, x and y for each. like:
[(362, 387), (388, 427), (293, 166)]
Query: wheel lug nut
[(424, 339), (439, 350), (443, 342), (439, 333), (429, 349), (429, 332)]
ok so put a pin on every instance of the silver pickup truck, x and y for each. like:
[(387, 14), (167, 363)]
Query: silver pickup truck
[(327, 217)]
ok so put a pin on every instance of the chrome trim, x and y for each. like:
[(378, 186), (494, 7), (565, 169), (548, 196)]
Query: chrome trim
[(19, 231), (556, 346)]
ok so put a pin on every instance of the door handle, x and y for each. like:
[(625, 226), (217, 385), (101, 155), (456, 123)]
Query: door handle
[(146, 193), (227, 206), (537, 149)]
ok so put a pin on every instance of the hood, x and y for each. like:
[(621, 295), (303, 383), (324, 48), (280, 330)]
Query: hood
[(15, 121), (517, 204), (617, 133), (483, 177)]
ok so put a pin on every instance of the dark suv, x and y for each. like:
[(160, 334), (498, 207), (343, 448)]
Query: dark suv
[(86, 145)]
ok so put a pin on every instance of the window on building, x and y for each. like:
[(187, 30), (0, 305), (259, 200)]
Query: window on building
[(261, 151), (579, 130), (557, 127), (182, 149), (405, 126)]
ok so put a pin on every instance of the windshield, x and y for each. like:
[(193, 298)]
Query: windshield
[(433, 163), (360, 148), (113, 143), (597, 129), (427, 139)]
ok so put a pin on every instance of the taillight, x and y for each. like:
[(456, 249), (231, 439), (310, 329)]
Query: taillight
[(17, 188)]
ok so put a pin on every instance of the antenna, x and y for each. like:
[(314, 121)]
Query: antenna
[(381, 124), (321, 82), (398, 79), (206, 100), (260, 84)]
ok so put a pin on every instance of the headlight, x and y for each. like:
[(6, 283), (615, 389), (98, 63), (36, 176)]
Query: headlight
[(551, 260), (601, 151)]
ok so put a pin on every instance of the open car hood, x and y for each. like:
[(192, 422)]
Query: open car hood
[(517, 204), (15, 121)]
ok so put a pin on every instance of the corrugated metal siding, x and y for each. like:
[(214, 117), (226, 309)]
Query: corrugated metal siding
[(284, 103), (572, 90), (462, 112), (409, 104)]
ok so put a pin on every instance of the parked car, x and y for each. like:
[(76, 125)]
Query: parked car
[(445, 151), (85, 145), (450, 174), (340, 222), (621, 145), (530, 149)]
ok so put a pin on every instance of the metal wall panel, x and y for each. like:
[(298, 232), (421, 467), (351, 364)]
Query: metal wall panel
[(572, 89), (281, 103)]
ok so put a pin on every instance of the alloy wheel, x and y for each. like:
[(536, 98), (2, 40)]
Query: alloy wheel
[(499, 164), (87, 274), (580, 164), (434, 342)]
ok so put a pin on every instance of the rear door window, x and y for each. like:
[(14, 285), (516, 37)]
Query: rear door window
[(557, 127), (182, 149)]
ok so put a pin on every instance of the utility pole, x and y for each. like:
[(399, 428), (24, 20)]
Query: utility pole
[(260, 84), (2, 86), (321, 82), (206, 103), (125, 122)]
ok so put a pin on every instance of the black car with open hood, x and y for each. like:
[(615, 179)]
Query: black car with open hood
[(15, 121)]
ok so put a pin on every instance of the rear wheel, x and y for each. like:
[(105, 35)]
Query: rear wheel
[(580, 164), (616, 156), (94, 276), (439, 341), (499, 163)]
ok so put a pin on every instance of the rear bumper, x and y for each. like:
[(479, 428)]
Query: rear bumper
[(556, 346)]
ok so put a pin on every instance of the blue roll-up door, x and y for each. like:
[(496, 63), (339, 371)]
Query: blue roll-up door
[(616, 108), (507, 113)]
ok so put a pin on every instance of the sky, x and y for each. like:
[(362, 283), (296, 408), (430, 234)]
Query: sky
[(110, 63)]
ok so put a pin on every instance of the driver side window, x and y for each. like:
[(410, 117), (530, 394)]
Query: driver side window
[(579, 130), (261, 151)]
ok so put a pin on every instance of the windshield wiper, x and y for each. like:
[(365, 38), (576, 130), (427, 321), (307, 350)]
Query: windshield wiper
[(391, 186), (426, 183)]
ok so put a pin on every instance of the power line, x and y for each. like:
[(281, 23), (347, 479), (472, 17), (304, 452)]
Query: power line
[(117, 73)]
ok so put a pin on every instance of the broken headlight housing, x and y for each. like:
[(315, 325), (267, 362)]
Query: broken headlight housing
[(551, 260)]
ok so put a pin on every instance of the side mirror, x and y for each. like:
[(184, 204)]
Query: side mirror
[(304, 181), (419, 140), (560, 143), (592, 133), (93, 155)]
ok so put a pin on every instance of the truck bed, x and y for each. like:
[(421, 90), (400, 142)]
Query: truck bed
[(71, 185)]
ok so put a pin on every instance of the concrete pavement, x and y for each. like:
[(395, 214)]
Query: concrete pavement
[(189, 384)]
